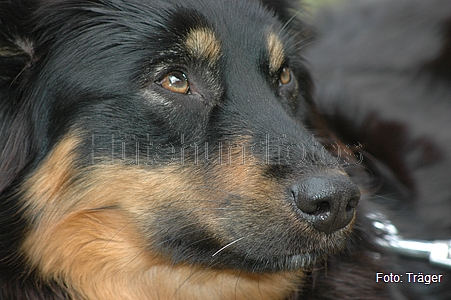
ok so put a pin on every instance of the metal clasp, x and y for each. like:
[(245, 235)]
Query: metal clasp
[(437, 252)]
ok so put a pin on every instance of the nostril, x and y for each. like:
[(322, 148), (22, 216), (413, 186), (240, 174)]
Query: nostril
[(322, 208), (352, 204)]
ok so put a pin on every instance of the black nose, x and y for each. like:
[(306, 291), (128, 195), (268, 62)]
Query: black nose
[(328, 202)]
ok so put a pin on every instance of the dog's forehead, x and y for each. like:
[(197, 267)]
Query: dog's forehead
[(208, 30), (204, 43), (233, 33)]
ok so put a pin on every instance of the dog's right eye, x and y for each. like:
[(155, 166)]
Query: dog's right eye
[(176, 82), (285, 76)]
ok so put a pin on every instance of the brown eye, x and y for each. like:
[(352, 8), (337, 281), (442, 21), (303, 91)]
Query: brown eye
[(176, 82), (285, 76)]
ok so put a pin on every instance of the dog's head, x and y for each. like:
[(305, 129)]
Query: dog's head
[(181, 127)]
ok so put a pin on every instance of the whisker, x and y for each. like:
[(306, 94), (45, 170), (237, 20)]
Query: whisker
[(229, 244), (289, 21)]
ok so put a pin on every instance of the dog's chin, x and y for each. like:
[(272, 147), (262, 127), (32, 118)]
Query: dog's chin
[(284, 263), (302, 254), (292, 255), (293, 262), (272, 264)]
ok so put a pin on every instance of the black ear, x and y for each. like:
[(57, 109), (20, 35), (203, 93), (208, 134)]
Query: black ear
[(16, 55), (16, 50), (13, 61), (289, 12)]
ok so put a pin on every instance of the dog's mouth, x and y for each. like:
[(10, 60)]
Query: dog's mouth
[(253, 224), (297, 262), (282, 263), (295, 256), (278, 249), (273, 262)]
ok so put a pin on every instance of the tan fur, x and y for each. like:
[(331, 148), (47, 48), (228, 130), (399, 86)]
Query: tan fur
[(101, 256), (89, 233), (203, 44), (51, 181), (276, 52)]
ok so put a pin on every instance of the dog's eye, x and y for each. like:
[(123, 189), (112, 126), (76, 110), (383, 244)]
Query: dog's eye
[(176, 82), (285, 76)]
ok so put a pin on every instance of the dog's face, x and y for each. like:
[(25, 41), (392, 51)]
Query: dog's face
[(178, 131)]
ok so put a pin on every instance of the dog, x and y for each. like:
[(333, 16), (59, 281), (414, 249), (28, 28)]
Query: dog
[(168, 150), (382, 74), (164, 150)]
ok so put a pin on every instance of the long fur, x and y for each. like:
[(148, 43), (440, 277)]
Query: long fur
[(161, 150), (172, 150)]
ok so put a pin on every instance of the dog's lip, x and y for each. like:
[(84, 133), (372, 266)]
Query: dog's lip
[(302, 260), (292, 262)]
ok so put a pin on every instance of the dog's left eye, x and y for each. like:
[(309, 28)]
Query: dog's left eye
[(176, 82), (285, 76)]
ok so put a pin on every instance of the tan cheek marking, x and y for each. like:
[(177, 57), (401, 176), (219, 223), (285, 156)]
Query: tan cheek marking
[(276, 52), (101, 253), (105, 258), (52, 179), (59, 185), (203, 44)]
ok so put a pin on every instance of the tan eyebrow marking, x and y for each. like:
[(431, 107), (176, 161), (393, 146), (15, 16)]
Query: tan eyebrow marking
[(202, 43), (276, 52)]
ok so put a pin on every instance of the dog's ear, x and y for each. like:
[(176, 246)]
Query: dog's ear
[(16, 55), (289, 12), (16, 49)]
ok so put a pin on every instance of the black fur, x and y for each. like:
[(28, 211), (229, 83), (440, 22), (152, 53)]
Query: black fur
[(92, 71), (95, 67)]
